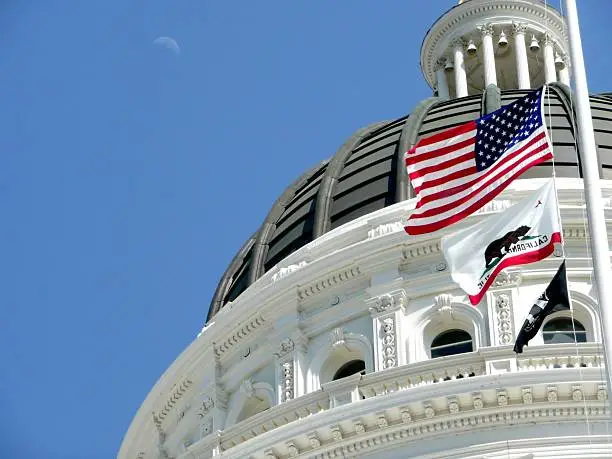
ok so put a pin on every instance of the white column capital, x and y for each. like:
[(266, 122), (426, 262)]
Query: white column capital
[(387, 303), (519, 28), (486, 30)]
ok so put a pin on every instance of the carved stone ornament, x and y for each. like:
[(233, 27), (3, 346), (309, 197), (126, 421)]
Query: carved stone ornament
[(458, 42), (502, 398), (207, 404), (602, 393), (577, 394), (389, 343), (287, 389), (286, 346), (383, 303), (292, 449), (504, 318), (313, 440), (429, 411), (486, 29), (406, 416), (453, 406), (444, 303), (336, 433), (527, 395), (477, 402), (270, 454), (519, 27), (440, 64), (381, 421), (359, 427), (552, 395)]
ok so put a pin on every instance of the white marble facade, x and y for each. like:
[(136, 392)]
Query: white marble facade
[(261, 380)]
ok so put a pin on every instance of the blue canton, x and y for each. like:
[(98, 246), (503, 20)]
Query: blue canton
[(502, 129)]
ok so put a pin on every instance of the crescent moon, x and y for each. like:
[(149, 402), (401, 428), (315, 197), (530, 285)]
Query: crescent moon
[(169, 43)]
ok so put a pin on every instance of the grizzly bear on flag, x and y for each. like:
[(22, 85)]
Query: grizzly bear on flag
[(494, 249)]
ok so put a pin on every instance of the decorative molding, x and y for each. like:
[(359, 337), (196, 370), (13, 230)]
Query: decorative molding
[(443, 303), (405, 415), (389, 342), (527, 395), (247, 387), (504, 318), (577, 393), (238, 335), (385, 228), (284, 272), (502, 397), (486, 29), (477, 401), (458, 42), (313, 440), (287, 390), (286, 346), (359, 427), (519, 27), (336, 433), (333, 280), (176, 393), (453, 405), (421, 250), (552, 394), (389, 302), (207, 404), (292, 449)]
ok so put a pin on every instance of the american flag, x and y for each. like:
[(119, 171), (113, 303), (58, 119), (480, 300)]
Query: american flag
[(456, 172)]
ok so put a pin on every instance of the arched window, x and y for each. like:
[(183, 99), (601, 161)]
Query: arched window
[(451, 342), (350, 368), (563, 330)]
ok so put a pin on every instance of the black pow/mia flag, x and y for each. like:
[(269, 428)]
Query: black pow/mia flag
[(554, 298)]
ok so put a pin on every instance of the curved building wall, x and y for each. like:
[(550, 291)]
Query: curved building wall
[(366, 175)]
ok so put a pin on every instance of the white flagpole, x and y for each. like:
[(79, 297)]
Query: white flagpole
[(592, 190)]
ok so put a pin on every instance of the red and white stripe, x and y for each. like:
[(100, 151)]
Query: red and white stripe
[(442, 171)]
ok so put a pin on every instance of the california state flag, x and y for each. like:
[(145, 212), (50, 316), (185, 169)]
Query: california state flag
[(524, 233)]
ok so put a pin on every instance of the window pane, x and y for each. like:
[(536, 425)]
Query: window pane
[(450, 343), (562, 330), (350, 368)]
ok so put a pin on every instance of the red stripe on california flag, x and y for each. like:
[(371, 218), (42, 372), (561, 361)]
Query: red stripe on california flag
[(444, 135), (522, 259), (499, 169), (428, 228)]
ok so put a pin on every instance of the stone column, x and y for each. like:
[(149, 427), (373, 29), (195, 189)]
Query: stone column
[(549, 61), (520, 50), (461, 87), (490, 75), (441, 83), (387, 311), (291, 367), (564, 76)]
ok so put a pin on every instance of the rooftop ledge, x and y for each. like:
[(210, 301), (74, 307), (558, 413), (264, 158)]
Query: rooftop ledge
[(548, 383)]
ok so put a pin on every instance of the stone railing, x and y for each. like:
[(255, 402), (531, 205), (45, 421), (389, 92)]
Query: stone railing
[(485, 362)]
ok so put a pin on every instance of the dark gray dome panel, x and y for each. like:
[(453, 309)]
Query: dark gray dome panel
[(367, 174)]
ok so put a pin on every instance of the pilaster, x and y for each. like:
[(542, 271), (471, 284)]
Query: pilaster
[(387, 312)]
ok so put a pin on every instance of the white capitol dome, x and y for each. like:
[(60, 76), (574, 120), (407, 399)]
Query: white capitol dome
[(335, 334)]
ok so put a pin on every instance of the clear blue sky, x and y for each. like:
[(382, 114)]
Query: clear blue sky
[(129, 176)]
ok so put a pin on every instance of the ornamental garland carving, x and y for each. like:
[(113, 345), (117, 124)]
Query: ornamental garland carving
[(504, 318), (287, 382), (519, 27), (389, 343), (207, 404)]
